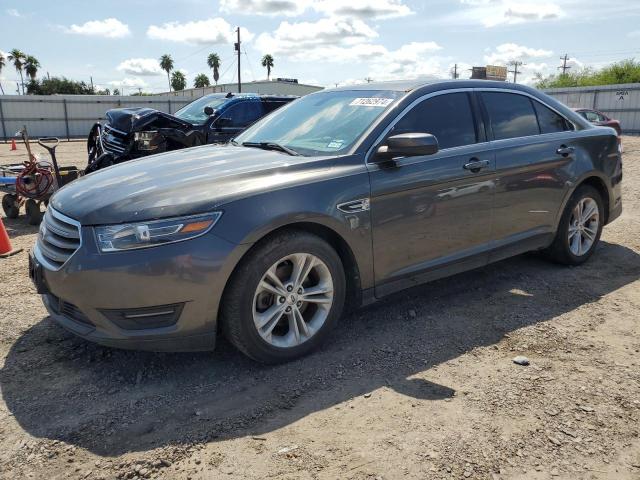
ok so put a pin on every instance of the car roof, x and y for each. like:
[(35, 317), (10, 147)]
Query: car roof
[(415, 84)]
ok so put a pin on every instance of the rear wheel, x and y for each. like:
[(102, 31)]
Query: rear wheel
[(580, 227), (284, 298), (34, 215), (10, 206)]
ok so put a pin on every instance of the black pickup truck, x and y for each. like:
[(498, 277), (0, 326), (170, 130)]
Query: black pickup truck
[(137, 132)]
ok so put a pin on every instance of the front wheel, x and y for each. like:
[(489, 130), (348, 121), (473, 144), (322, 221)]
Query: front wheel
[(284, 298), (580, 227)]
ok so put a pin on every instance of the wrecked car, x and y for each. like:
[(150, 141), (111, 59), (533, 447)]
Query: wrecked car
[(137, 132)]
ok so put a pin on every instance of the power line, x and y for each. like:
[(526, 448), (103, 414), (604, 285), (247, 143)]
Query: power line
[(564, 67), (515, 64)]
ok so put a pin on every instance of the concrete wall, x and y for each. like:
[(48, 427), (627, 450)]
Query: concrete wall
[(69, 116), (621, 102), (263, 87)]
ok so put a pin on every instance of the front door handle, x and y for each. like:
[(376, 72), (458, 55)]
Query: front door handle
[(476, 165), (565, 151)]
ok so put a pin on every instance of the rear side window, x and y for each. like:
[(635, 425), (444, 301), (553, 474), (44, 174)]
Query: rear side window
[(271, 105), (550, 121), (510, 115), (449, 117)]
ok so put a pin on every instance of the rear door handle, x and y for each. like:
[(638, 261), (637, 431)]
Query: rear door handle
[(476, 165), (565, 151)]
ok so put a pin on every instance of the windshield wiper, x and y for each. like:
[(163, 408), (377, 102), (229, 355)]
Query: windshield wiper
[(271, 146)]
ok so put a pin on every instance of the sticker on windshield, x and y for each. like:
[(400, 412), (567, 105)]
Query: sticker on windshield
[(335, 144), (371, 102)]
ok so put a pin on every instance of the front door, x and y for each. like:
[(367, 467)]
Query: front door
[(431, 215)]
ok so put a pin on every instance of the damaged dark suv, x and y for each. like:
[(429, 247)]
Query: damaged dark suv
[(137, 132)]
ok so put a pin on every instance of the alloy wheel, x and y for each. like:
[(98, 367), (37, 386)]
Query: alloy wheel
[(293, 300), (583, 226)]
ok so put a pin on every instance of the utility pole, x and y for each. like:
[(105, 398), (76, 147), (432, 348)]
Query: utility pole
[(91, 78), (564, 67), (237, 46), (368, 79), (515, 64), (454, 74)]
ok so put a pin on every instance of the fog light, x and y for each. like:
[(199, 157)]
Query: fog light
[(145, 318)]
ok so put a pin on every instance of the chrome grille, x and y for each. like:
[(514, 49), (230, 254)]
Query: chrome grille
[(58, 239), (114, 140)]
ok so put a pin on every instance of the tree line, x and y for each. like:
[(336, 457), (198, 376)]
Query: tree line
[(177, 80), (29, 65), (625, 71)]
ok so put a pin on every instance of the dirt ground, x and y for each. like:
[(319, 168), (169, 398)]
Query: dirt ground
[(419, 386)]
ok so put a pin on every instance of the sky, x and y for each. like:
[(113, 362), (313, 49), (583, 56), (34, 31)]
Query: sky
[(322, 42)]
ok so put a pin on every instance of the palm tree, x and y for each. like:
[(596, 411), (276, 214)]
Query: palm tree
[(17, 57), (213, 60), (166, 64), (201, 81), (31, 66), (2, 64), (178, 81), (267, 62)]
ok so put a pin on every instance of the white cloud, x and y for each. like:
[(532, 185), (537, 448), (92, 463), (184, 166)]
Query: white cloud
[(508, 52), (365, 9), (313, 40), (109, 28), (140, 66), (201, 32), (13, 12), (492, 13), (289, 8), (129, 82), (412, 60)]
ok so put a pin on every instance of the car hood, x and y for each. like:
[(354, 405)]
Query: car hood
[(182, 182), (137, 119)]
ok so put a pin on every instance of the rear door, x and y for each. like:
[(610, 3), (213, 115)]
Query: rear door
[(234, 120), (433, 212), (533, 145)]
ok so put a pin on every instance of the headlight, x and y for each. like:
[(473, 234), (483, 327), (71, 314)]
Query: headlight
[(129, 236), (146, 140)]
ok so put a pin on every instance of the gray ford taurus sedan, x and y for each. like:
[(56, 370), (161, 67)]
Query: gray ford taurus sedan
[(335, 200)]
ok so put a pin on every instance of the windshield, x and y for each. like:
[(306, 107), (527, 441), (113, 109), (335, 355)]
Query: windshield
[(322, 123), (194, 112)]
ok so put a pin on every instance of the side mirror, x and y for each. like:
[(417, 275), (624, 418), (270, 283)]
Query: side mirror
[(208, 110), (408, 145)]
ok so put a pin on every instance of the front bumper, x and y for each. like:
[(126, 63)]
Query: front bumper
[(85, 292)]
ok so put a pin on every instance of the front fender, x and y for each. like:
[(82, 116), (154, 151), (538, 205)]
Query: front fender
[(246, 221)]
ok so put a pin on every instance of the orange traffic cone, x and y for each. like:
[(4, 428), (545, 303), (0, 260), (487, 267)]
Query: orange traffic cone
[(13, 145), (5, 244)]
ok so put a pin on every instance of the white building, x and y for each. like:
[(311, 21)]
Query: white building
[(273, 87)]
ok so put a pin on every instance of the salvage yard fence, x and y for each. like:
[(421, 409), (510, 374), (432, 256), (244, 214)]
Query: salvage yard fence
[(621, 102), (70, 116)]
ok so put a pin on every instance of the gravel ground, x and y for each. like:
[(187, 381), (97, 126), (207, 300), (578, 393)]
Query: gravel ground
[(421, 385)]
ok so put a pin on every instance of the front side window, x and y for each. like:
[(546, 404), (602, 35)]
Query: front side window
[(510, 115), (448, 117), (550, 121), (242, 114), (324, 123), (194, 112)]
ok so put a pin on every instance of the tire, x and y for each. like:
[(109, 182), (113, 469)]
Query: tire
[(34, 215), (567, 252), (246, 303), (9, 206)]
